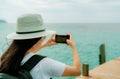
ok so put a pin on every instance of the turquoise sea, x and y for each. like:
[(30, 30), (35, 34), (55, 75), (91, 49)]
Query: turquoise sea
[(88, 37)]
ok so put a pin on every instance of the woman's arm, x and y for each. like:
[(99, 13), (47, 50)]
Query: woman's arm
[(39, 45), (74, 70), (49, 42)]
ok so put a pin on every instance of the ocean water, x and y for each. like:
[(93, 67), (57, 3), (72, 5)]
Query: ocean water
[(87, 36)]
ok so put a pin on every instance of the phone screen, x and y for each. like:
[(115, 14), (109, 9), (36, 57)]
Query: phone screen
[(61, 38)]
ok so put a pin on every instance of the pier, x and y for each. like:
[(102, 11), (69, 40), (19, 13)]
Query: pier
[(106, 70)]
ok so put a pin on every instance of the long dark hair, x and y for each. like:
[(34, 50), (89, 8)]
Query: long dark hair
[(12, 57)]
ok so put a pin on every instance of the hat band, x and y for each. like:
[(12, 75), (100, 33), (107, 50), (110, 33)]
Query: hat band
[(30, 32)]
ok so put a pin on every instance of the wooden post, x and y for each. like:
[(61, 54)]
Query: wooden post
[(102, 57), (85, 69)]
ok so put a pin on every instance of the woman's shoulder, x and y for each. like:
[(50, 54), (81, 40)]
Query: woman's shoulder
[(28, 56), (44, 61), (51, 62)]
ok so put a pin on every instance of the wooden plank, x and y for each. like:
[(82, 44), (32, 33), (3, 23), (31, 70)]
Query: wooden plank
[(108, 70), (85, 69), (102, 57)]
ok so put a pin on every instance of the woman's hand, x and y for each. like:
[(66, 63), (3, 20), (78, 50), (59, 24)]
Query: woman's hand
[(39, 45), (50, 42), (75, 69), (70, 41)]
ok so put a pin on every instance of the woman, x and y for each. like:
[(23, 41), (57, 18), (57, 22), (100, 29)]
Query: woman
[(27, 41)]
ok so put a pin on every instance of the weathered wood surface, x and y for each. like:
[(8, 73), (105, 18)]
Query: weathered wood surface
[(108, 70)]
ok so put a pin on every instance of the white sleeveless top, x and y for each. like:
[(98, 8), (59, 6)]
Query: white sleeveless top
[(46, 68)]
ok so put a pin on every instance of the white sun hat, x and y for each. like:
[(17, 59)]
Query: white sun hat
[(30, 26)]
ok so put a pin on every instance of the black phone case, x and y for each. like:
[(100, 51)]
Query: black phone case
[(61, 38)]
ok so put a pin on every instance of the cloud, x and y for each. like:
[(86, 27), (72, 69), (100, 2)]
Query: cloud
[(105, 0), (63, 11)]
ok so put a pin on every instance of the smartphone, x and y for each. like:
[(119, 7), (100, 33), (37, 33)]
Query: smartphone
[(61, 38)]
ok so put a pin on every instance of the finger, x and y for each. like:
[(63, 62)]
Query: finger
[(68, 42), (53, 36), (54, 43), (54, 40), (69, 34)]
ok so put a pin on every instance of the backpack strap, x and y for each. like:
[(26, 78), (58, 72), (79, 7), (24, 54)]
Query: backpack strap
[(32, 62)]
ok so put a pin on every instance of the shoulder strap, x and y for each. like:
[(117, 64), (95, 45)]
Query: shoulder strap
[(32, 62)]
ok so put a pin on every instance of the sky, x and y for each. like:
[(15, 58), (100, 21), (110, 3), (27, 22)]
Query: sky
[(63, 11)]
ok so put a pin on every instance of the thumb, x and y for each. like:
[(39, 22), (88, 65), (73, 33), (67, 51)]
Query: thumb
[(68, 42), (53, 36)]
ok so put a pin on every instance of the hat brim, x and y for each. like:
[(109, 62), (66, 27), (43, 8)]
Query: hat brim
[(16, 36)]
